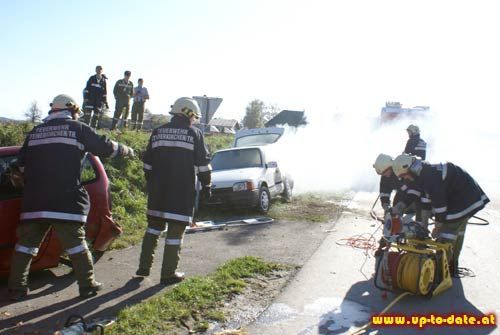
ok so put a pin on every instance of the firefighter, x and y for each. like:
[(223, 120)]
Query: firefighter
[(175, 150), (51, 160), (140, 96), (95, 98), (388, 182), (408, 197), (455, 197), (415, 146), (123, 91)]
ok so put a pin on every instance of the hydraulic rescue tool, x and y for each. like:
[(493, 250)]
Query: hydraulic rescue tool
[(409, 260)]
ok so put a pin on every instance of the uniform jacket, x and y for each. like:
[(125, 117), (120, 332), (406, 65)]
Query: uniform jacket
[(95, 91), (51, 158), (406, 192), (453, 193), (176, 152), (416, 146), (123, 91)]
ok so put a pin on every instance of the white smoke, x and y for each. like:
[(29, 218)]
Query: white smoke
[(337, 153)]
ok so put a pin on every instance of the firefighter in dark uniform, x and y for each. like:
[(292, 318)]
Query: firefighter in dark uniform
[(415, 146), (388, 182), (408, 197), (51, 159), (455, 197), (123, 91), (176, 152), (95, 98)]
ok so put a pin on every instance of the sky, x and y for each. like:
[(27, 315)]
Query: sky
[(324, 57)]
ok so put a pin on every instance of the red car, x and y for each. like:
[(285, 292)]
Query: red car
[(101, 229)]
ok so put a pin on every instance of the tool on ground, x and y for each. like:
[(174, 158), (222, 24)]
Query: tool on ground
[(213, 225), (76, 325)]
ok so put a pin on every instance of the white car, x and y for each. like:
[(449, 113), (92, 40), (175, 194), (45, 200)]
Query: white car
[(247, 177)]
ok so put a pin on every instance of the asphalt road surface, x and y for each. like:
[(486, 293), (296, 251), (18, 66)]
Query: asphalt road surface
[(53, 295)]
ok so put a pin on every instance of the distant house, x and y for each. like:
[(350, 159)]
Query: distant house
[(291, 118), (224, 126)]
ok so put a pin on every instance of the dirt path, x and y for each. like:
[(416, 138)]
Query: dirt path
[(54, 293)]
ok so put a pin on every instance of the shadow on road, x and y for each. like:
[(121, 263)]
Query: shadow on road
[(363, 300), (77, 306)]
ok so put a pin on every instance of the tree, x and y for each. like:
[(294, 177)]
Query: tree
[(269, 112), (34, 114), (254, 117)]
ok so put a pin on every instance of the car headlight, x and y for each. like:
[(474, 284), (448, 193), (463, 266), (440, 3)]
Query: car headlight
[(243, 186)]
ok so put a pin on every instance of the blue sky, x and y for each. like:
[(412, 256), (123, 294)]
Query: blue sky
[(321, 56)]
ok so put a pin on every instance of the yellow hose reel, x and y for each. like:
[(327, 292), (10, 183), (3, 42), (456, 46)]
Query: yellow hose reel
[(416, 266)]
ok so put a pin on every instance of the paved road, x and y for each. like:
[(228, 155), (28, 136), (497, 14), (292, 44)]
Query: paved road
[(331, 295), (53, 297)]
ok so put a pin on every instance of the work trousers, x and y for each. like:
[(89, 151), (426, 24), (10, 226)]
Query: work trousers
[(31, 234), (137, 115), (172, 250), (122, 108), (453, 233), (92, 121)]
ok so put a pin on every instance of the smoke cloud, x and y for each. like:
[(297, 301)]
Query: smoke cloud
[(336, 153)]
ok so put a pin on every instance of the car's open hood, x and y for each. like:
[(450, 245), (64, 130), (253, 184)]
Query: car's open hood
[(226, 178)]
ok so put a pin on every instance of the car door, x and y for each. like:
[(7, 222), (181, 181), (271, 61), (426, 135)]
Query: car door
[(272, 175)]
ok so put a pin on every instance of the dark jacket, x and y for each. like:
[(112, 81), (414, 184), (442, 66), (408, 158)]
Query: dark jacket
[(51, 158), (454, 194), (416, 146), (406, 192), (95, 91), (123, 91), (176, 152)]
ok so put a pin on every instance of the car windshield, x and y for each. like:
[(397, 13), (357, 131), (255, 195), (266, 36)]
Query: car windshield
[(236, 159), (260, 139)]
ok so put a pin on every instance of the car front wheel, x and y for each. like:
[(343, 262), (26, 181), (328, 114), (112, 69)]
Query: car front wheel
[(264, 200), (287, 191)]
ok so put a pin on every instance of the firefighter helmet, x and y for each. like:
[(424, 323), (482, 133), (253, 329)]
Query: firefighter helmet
[(382, 163), (186, 106), (402, 164), (413, 129), (64, 102)]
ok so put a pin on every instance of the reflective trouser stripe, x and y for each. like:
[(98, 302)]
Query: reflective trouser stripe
[(26, 250), (153, 231), (79, 248), (170, 241), (449, 236)]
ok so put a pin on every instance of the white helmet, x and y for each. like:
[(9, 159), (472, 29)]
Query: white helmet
[(186, 106), (382, 163), (402, 164), (413, 129), (64, 102)]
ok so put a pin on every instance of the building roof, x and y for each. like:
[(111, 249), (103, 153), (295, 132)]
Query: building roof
[(291, 118), (223, 122)]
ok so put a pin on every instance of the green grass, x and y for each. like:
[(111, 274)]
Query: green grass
[(195, 301)]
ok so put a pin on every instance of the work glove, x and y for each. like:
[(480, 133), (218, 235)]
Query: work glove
[(126, 151), (398, 208), (386, 207), (437, 230), (206, 192)]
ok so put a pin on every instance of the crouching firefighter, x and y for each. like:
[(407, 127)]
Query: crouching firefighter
[(176, 152), (51, 159), (454, 195), (408, 198)]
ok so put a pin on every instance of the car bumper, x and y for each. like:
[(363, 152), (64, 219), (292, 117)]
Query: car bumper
[(229, 198)]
